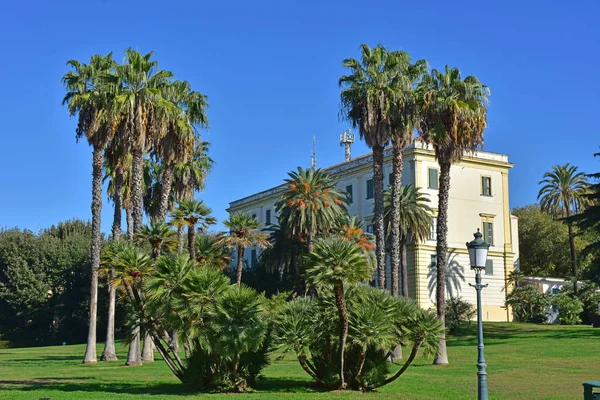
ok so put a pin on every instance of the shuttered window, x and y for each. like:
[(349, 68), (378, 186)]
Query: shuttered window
[(488, 232), (350, 194), (489, 267), (433, 179), (268, 217), (486, 186), (370, 189)]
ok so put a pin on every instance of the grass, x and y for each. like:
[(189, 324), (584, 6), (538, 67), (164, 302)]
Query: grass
[(525, 361)]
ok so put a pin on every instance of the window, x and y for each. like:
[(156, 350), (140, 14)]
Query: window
[(268, 217), (369, 189), (486, 186), (253, 258), (488, 232), (433, 261), (253, 216), (489, 267), (433, 178), (350, 195), (433, 229), (370, 228), (391, 179)]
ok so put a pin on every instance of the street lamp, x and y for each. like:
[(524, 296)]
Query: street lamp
[(478, 251)]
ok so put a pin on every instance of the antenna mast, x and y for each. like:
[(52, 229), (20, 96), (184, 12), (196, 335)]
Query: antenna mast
[(346, 140), (314, 153)]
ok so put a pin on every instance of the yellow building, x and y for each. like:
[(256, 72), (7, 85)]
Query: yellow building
[(478, 199)]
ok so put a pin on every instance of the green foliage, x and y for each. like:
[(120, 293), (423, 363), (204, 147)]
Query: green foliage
[(459, 313), (569, 308), (527, 304), (544, 244), (44, 284), (377, 322), (588, 295)]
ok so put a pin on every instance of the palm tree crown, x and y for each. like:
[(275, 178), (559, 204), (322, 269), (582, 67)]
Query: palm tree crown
[(563, 191), (415, 213)]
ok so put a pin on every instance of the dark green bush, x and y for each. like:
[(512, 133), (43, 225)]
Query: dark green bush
[(528, 305), (459, 313), (569, 308)]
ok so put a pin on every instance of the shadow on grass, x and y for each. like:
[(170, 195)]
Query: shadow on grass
[(273, 385), (46, 358)]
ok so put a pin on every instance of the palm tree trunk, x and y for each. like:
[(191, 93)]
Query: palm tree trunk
[(137, 176), (134, 354), (309, 243), (90, 351), (148, 349), (340, 303), (110, 353), (180, 235), (165, 192), (378, 213), (441, 250), (191, 238), (395, 234), (573, 254), (129, 217), (403, 267), (240, 265)]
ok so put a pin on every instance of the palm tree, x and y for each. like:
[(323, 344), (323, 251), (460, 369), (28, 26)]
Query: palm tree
[(243, 232), (196, 213), (138, 108), (453, 121), (333, 262), (563, 194), (178, 144), (366, 99), (405, 118), (159, 236), (414, 222), (178, 221), (351, 229), (210, 251), (87, 97), (190, 176), (312, 204)]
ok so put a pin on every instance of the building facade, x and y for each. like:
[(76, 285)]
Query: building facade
[(478, 200)]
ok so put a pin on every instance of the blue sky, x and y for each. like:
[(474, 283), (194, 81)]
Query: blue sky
[(270, 70)]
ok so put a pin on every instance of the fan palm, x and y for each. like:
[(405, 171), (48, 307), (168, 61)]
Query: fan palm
[(414, 221), (366, 100), (210, 251), (195, 214), (563, 194), (158, 235), (243, 232), (88, 97), (190, 177), (405, 118), (138, 108), (334, 261), (178, 144), (453, 120)]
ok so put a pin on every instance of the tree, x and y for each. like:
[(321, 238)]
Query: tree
[(243, 232), (195, 213), (453, 120), (413, 223), (405, 118), (178, 144), (211, 251), (158, 236), (351, 229), (334, 261), (562, 195), (366, 97), (88, 98), (544, 244), (138, 107)]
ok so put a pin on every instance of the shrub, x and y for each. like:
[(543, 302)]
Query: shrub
[(589, 296), (528, 305), (569, 308), (377, 323), (459, 313)]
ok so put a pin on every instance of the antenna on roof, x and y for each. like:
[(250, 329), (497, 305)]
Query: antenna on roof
[(314, 153), (346, 140)]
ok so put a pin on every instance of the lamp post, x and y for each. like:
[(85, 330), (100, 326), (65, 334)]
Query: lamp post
[(478, 251)]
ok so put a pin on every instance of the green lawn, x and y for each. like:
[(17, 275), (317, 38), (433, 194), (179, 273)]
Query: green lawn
[(525, 362)]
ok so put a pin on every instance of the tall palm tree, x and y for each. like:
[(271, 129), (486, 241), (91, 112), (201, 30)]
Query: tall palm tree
[(333, 262), (87, 97), (190, 176), (243, 232), (139, 105), (178, 144), (196, 214), (366, 98), (405, 115), (414, 222), (453, 120), (563, 194)]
